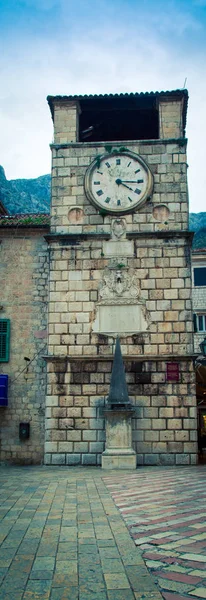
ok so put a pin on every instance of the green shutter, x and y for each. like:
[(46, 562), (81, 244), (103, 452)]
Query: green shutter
[(4, 339)]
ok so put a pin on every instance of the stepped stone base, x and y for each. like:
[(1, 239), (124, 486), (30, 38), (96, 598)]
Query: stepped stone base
[(119, 460)]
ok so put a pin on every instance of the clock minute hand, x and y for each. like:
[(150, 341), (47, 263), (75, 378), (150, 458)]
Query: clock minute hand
[(131, 181)]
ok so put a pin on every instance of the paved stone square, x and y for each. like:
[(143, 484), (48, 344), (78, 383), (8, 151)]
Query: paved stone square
[(165, 512), (62, 538), (64, 533)]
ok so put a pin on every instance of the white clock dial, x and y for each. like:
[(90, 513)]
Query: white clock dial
[(118, 183)]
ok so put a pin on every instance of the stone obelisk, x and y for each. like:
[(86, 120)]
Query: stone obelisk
[(118, 411)]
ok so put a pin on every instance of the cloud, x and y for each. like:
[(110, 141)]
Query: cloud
[(87, 55)]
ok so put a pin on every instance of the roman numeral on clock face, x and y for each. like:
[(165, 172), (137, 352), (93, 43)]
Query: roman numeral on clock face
[(99, 193), (137, 191)]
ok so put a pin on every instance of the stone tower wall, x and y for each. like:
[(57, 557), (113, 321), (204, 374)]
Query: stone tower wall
[(154, 254)]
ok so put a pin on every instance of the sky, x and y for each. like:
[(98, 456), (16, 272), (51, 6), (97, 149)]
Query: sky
[(63, 47)]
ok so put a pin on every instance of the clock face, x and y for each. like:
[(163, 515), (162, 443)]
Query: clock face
[(118, 183)]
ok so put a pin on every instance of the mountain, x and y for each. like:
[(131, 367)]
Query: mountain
[(33, 196), (25, 195)]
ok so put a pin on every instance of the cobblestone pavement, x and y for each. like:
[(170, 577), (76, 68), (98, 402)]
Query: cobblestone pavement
[(62, 538), (165, 511)]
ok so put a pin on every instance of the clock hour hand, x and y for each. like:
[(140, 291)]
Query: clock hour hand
[(120, 182)]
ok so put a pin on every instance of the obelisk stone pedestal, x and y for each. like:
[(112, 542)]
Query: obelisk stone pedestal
[(119, 453)]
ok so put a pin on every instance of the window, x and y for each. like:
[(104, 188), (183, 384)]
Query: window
[(4, 339), (200, 323), (200, 276)]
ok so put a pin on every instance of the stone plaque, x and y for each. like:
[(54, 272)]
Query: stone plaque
[(120, 319), (118, 248)]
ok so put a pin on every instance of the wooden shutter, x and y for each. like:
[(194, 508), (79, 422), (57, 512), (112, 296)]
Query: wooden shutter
[(4, 339)]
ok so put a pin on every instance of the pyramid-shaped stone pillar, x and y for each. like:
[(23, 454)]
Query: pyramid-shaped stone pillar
[(118, 453)]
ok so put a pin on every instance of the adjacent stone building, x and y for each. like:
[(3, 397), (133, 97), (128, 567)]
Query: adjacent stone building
[(23, 306), (199, 309), (118, 254), (199, 296)]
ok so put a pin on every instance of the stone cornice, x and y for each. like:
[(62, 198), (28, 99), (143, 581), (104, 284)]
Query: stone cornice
[(182, 142), (76, 238), (126, 357)]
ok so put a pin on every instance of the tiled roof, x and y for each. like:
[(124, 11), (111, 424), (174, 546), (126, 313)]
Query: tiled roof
[(25, 220), (199, 250), (175, 93)]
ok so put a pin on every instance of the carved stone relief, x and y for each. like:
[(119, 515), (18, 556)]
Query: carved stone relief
[(120, 308), (118, 228)]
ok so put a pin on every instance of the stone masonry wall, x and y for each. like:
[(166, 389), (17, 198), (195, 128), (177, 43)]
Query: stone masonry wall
[(168, 209), (79, 360), (164, 426), (24, 289)]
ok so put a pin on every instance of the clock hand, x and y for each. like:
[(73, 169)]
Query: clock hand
[(131, 181), (119, 182)]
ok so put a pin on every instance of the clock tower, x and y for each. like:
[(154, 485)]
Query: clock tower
[(120, 266)]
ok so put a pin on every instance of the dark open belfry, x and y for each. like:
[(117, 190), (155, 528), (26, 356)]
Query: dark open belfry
[(113, 121)]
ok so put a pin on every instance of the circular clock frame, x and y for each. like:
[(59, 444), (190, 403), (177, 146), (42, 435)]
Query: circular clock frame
[(95, 166)]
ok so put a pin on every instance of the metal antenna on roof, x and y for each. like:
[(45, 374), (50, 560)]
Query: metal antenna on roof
[(185, 81)]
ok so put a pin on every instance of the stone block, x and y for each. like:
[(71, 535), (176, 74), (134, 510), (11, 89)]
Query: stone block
[(119, 461), (58, 459), (174, 424), (175, 447), (81, 423), (96, 447), (47, 459), (167, 459), (89, 436), (159, 447), (151, 459), (89, 459), (73, 459), (159, 424), (66, 423), (190, 424), (182, 459), (96, 423), (81, 446), (190, 447), (167, 436), (73, 435), (151, 436), (65, 447), (166, 413)]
